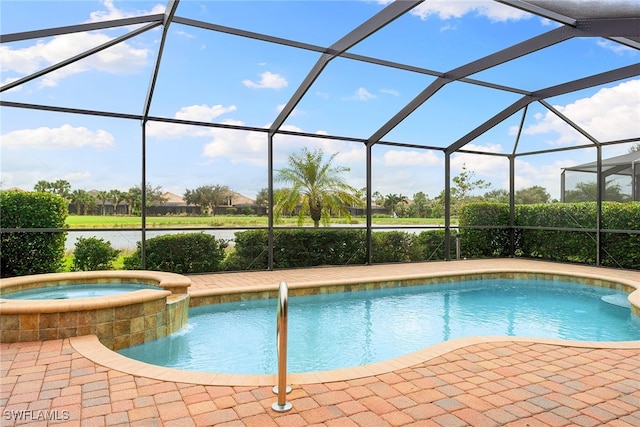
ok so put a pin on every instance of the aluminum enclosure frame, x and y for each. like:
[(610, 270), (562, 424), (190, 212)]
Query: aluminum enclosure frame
[(623, 29)]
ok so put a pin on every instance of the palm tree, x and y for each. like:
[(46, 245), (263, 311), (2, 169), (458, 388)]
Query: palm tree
[(391, 201), (83, 201), (102, 197), (116, 196), (317, 186)]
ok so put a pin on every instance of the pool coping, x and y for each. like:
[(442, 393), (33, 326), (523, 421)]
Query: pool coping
[(90, 347)]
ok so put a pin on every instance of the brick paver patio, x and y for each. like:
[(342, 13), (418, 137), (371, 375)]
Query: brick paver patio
[(511, 382)]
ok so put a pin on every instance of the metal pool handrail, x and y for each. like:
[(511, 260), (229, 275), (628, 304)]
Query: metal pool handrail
[(281, 338)]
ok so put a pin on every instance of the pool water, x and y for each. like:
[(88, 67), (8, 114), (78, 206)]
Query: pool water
[(338, 330), (76, 291)]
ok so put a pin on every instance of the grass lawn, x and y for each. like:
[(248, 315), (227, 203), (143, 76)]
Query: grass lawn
[(109, 221)]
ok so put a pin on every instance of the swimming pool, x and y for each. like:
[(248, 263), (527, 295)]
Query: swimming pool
[(79, 290), (339, 330)]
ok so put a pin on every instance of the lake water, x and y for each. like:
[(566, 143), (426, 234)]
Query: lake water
[(127, 239)]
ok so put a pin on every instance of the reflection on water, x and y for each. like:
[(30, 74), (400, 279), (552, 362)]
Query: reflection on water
[(120, 239), (129, 239)]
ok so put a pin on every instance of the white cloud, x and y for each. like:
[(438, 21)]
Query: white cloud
[(294, 113), (616, 47), (251, 147), (361, 94), (610, 114), (390, 92), (448, 27), (546, 175), (198, 113), (112, 12), (238, 147), (448, 9), (268, 80), (118, 59), (63, 137), (121, 58), (203, 112), (185, 34), (481, 164), (412, 158)]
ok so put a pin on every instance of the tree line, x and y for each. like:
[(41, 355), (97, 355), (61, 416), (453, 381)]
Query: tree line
[(86, 203), (314, 187)]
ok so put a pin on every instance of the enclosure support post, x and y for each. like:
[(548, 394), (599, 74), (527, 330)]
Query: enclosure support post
[(143, 204), (369, 206), (635, 182), (281, 337), (512, 206), (600, 194), (447, 206), (270, 208)]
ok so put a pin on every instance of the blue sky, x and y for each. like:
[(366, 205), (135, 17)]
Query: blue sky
[(215, 77)]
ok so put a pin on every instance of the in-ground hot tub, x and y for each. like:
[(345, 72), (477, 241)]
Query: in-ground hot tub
[(77, 290), (152, 305)]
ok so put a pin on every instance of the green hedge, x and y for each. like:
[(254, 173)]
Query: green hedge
[(619, 249), (484, 242), (573, 246), (314, 247), (180, 253), (621, 246), (430, 245), (297, 248), (31, 253)]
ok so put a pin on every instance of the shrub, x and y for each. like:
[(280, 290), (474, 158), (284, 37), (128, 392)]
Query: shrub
[(393, 246), (484, 242), (31, 253), (304, 247), (621, 249), (429, 245), (558, 245), (250, 252), (309, 247), (180, 253), (92, 254)]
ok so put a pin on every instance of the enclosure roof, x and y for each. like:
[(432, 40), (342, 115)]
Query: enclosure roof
[(619, 165), (587, 9), (459, 86), (570, 11)]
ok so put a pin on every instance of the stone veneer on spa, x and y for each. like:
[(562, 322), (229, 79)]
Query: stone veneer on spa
[(119, 321)]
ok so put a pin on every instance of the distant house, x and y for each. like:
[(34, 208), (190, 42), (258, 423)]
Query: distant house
[(175, 205)]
